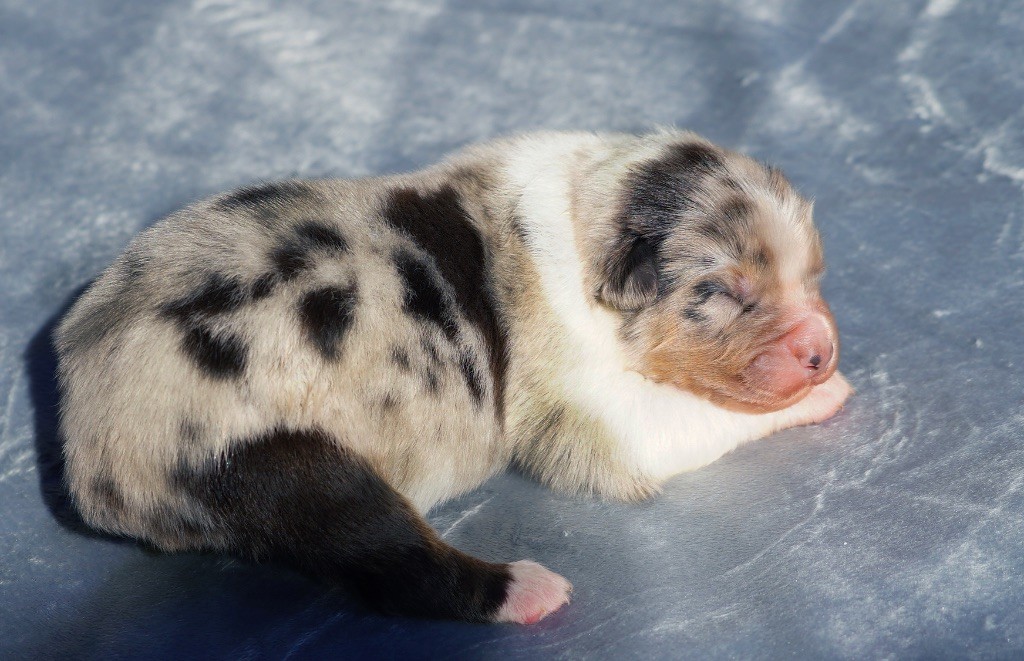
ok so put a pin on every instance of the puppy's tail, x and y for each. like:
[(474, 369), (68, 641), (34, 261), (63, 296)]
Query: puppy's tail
[(299, 496)]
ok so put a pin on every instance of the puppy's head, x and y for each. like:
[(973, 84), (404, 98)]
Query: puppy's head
[(715, 262)]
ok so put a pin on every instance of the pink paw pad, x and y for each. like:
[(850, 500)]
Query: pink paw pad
[(533, 593)]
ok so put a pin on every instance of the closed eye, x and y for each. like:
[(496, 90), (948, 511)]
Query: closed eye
[(707, 289)]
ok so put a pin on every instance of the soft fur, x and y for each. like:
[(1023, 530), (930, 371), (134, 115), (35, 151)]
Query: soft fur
[(272, 364)]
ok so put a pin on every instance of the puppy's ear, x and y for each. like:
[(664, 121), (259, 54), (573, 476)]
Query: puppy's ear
[(630, 278)]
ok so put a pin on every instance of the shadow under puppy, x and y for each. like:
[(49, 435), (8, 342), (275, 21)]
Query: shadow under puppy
[(299, 370)]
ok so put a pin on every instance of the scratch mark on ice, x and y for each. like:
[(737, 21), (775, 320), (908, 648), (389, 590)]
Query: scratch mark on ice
[(926, 102), (15, 457), (819, 500), (841, 22), (1005, 232), (940, 8), (996, 163), (5, 442), (465, 515)]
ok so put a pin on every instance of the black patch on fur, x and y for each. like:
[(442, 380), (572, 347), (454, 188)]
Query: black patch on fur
[(632, 281), (327, 314), (431, 350), (263, 195), (693, 313), (388, 402), (423, 297), (659, 191), (219, 294), (400, 357), (297, 253), (472, 381), (431, 379), (290, 259), (663, 188), (317, 235), (263, 286), (437, 222), (301, 497), (220, 355)]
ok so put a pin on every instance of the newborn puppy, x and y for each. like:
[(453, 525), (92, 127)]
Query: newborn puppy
[(300, 370)]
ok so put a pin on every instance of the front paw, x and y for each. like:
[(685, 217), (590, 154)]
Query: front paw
[(820, 404)]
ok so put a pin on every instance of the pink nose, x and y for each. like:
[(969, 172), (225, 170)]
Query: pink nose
[(810, 344), (800, 358)]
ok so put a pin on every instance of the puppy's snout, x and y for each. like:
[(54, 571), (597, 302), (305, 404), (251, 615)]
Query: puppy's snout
[(804, 356), (811, 347)]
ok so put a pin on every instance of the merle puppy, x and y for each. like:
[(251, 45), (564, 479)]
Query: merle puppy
[(300, 370)]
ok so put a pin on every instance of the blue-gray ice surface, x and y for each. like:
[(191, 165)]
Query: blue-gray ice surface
[(896, 529)]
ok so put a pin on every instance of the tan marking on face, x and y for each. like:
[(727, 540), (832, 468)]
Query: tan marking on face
[(713, 365)]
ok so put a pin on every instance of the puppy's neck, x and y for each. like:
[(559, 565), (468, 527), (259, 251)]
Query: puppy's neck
[(547, 176)]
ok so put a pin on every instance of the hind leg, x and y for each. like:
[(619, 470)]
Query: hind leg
[(298, 496)]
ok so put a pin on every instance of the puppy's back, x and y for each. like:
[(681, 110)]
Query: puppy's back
[(300, 305)]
